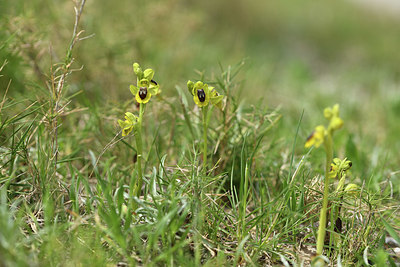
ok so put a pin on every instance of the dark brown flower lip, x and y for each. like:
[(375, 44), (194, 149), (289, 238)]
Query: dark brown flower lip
[(142, 92), (201, 95), (310, 136)]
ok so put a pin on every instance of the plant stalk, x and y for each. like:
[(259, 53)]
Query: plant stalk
[(322, 218), (139, 148), (205, 110)]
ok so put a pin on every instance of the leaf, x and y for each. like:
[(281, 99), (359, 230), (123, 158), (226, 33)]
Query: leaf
[(365, 256), (391, 231)]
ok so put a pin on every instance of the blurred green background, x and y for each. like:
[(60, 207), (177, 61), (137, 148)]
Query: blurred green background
[(299, 56)]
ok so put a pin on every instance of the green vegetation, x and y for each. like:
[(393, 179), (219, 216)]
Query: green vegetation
[(195, 184)]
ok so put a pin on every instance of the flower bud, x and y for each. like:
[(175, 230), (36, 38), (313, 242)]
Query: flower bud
[(137, 70), (351, 189), (190, 86)]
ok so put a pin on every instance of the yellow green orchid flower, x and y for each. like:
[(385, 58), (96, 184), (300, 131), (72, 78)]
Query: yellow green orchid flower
[(317, 137), (339, 167), (128, 124), (332, 114), (338, 170), (146, 86), (320, 133), (204, 94)]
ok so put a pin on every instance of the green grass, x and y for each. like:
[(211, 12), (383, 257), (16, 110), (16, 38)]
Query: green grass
[(66, 172)]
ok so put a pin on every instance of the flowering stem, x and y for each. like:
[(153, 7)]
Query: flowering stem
[(205, 110), (138, 137), (322, 218)]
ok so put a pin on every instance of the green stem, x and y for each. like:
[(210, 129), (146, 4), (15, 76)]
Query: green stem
[(322, 218), (205, 110), (138, 137)]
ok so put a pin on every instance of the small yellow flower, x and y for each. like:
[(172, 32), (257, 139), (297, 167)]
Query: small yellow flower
[(317, 137), (335, 122), (334, 168), (146, 86), (338, 170), (339, 166), (128, 124), (204, 94), (332, 114)]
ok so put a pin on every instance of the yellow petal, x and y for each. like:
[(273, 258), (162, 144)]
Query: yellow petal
[(332, 174), (144, 101), (328, 113), (122, 124), (316, 138), (127, 130), (335, 110), (335, 123)]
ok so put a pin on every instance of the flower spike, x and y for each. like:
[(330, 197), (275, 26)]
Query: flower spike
[(203, 95), (332, 114), (322, 135), (146, 86)]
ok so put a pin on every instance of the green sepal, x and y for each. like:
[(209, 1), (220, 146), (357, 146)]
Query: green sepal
[(134, 89), (122, 123), (153, 89), (190, 86), (130, 117), (217, 101), (148, 74)]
